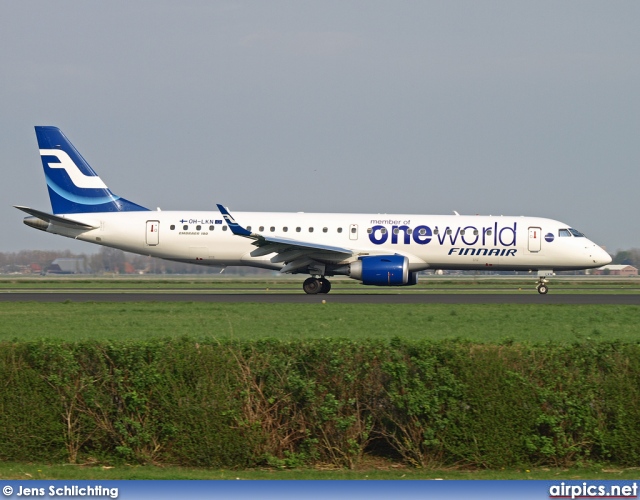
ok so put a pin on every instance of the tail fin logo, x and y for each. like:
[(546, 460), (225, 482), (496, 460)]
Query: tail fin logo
[(229, 219), (78, 178)]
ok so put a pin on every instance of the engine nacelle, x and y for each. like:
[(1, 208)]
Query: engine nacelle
[(383, 270)]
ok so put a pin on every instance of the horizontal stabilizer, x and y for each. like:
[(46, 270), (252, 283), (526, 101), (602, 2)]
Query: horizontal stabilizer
[(54, 219)]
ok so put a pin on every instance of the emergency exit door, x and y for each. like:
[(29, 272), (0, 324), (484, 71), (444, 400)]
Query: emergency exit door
[(153, 236), (535, 239)]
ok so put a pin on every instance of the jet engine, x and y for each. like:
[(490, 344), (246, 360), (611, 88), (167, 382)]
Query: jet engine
[(383, 270)]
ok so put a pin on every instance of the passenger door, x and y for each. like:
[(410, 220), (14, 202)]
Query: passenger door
[(535, 239), (153, 235)]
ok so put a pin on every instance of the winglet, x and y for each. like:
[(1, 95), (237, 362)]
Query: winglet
[(263, 241), (236, 228)]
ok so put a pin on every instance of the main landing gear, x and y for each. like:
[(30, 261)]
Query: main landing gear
[(316, 285)]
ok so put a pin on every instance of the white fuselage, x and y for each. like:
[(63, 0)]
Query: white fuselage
[(428, 241)]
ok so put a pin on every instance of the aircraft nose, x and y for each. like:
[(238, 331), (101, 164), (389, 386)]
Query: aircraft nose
[(600, 256)]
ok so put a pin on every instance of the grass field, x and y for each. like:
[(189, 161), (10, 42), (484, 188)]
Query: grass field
[(12, 471), (248, 321), (74, 321), (293, 284)]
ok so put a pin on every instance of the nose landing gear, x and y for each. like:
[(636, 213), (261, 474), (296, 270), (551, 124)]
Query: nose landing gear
[(542, 286)]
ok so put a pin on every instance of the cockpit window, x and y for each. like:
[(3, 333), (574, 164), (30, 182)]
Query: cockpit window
[(564, 232), (576, 233)]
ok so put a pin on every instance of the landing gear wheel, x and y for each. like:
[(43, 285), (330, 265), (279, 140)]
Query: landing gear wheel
[(542, 289), (325, 285), (312, 286)]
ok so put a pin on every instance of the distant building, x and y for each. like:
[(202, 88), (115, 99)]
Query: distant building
[(68, 265), (616, 270)]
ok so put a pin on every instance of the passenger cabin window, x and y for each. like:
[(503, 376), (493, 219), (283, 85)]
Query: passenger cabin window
[(198, 228), (436, 231), (339, 229), (325, 229), (211, 228), (185, 227), (285, 229), (475, 232), (564, 233), (395, 230), (422, 231), (311, 230), (261, 228), (224, 228), (172, 227), (489, 232), (273, 229), (462, 232), (369, 230), (576, 233), (248, 228), (298, 229), (449, 231)]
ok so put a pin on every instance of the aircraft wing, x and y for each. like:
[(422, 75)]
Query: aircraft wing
[(296, 254), (55, 219)]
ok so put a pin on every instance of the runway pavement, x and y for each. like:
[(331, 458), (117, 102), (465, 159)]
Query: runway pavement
[(299, 298)]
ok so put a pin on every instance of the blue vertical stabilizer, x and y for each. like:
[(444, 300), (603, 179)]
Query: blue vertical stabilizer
[(73, 185)]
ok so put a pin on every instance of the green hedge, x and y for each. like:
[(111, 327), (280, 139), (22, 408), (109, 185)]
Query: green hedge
[(242, 404)]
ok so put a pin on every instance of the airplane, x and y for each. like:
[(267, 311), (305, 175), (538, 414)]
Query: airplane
[(376, 249)]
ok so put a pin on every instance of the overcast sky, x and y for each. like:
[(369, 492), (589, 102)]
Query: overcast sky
[(418, 107)]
